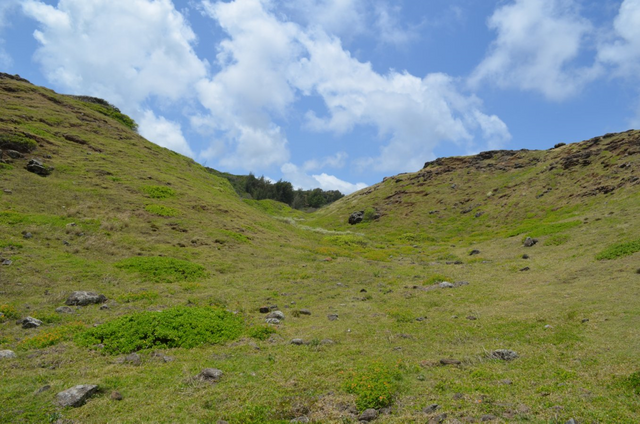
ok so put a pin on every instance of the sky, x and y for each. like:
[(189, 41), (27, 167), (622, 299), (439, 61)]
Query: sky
[(338, 94)]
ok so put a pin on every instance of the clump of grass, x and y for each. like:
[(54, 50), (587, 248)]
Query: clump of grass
[(8, 312), (17, 142), (52, 337), (236, 236), (134, 297), (401, 315), (619, 250), (114, 112), (184, 327), (556, 240), (159, 192), (436, 279), (374, 386), (161, 210), (633, 382), (261, 332), (347, 240), (161, 269)]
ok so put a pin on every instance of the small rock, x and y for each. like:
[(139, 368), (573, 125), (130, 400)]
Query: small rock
[(30, 322), (103, 307), (132, 358), (449, 361), (431, 408), (27, 235), (276, 314), (488, 417), (506, 381), (76, 396), (356, 217), (38, 168), (332, 317), (526, 268), (264, 309), (7, 191), (548, 326), (272, 321), (368, 415), (445, 285), (64, 310), (571, 421), (327, 342), (7, 262), (298, 342), (458, 396), (7, 354), (302, 419), (161, 357), (210, 374), (42, 389), (304, 312), (471, 318), (474, 252), (528, 242), (504, 354), (84, 298), (525, 256), (115, 395), (479, 214), (438, 419), (585, 320)]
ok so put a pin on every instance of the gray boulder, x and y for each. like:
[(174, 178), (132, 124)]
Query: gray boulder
[(272, 321), (64, 310), (7, 354), (84, 298), (528, 242), (504, 354), (37, 167), (211, 375), (356, 217), (276, 314), (30, 322), (76, 396), (368, 415), (446, 285)]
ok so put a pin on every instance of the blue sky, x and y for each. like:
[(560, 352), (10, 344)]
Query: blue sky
[(338, 94)]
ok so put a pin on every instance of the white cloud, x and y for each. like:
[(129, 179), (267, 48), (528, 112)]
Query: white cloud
[(623, 53), (344, 18), (388, 27), (123, 50), (164, 133), (535, 49), (336, 161), (6, 61), (300, 179)]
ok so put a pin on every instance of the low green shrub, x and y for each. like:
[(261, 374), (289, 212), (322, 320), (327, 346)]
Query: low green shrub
[(114, 112), (52, 336), (159, 192), (161, 210), (161, 269), (619, 250), (261, 332), (374, 386), (182, 326), (8, 312), (17, 142), (542, 229), (633, 382)]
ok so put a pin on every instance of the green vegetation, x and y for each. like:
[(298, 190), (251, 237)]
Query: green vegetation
[(374, 387), (161, 210), (15, 141), (52, 336), (163, 269), (159, 192), (113, 112), (8, 312), (137, 296), (175, 327), (619, 250)]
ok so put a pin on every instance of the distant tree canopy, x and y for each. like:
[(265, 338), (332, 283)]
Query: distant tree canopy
[(252, 187)]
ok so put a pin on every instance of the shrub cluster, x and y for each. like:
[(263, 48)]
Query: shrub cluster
[(619, 250), (161, 269), (159, 192), (374, 387), (182, 326), (51, 337), (161, 210)]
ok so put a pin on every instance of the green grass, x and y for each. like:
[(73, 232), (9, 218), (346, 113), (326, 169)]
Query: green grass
[(375, 386), (162, 210), (159, 192), (182, 327), (163, 269), (619, 250)]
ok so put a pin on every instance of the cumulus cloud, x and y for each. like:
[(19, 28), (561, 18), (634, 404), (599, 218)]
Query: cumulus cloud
[(536, 47), (344, 18), (336, 161), (123, 50), (388, 27), (301, 179), (623, 52), (163, 132)]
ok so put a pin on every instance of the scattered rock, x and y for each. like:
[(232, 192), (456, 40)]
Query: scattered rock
[(38, 168), (526, 268), (356, 217), (479, 214), (76, 396), (528, 242), (431, 408), (472, 318), (304, 312), (84, 298), (161, 357), (27, 235), (7, 191), (277, 315), (548, 326), (506, 382), (132, 358), (264, 309), (103, 307), (332, 317), (30, 322), (211, 375), (437, 419), (327, 342), (14, 154), (445, 285), (368, 415), (64, 310), (525, 256), (298, 342), (7, 262), (449, 361), (42, 389), (504, 354), (302, 419), (272, 321), (115, 395), (585, 320), (474, 252), (7, 354), (488, 417)]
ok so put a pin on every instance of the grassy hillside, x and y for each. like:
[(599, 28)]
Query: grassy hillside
[(154, 231)]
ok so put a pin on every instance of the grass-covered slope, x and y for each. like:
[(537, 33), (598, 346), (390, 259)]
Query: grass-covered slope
[(153, 231)]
